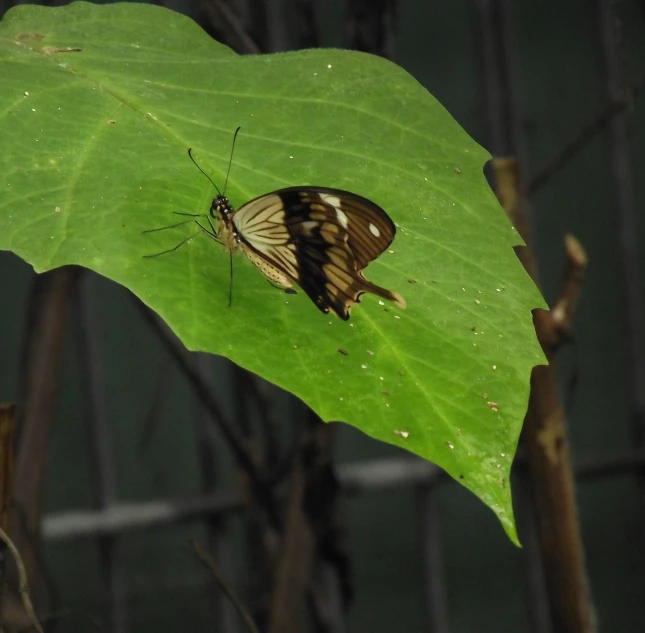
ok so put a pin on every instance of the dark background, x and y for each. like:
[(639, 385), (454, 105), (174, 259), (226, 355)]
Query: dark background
[(557, 72)]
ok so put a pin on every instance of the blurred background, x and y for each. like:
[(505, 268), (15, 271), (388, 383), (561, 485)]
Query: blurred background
[(122, 459)]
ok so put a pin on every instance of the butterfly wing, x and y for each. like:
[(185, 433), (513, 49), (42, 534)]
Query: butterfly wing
[(319, 238), (369, 229)]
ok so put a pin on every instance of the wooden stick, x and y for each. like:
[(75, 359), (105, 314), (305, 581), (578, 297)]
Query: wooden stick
[(544, 435)]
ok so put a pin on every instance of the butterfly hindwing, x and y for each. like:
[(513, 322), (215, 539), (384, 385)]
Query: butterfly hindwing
[(319, 238)]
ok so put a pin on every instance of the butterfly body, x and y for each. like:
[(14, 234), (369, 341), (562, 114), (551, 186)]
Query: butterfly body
[(316, 237)]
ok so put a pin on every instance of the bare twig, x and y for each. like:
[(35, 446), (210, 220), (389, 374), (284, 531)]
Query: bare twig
[(586, 135), (7, 428), (23, 582), (557, 328), (6, 479), (240, 448), (42, 355), (565, 307), (308, 532), (294, 568), (547, 448), (224, 585)]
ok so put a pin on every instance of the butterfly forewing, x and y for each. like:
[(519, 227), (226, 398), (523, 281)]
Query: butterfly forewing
[(319, 238)]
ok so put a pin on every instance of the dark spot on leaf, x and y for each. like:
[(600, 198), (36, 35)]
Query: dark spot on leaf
[(290, 291), (342, 351), (412, 281), (29, 37), (110, 121), (385, 393), (461, 477)]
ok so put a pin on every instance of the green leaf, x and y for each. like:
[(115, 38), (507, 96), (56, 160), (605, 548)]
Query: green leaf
[(99, 105)]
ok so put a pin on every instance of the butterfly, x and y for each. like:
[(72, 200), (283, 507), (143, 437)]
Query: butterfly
[(318, 238)]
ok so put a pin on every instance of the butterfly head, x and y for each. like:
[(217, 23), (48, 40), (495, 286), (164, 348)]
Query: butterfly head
[(222, 212), (221, 209)]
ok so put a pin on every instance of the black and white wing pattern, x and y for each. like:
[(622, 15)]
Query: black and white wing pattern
[(319, 238)]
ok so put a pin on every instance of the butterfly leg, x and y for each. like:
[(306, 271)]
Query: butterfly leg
[(230, 283), (212, 233), (174, 248), (170, 226)]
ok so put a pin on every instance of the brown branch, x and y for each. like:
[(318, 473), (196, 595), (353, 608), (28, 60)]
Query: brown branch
[(556, 326), (42, 355), (6, 480), (23, 582), (308, 515), (544, 436), (7, 428), (294, 568), (565, 307), (241, 450), (224, 585)]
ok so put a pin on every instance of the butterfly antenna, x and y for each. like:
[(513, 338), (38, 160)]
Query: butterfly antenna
[(230, 282), (230, 160), (190, 150)]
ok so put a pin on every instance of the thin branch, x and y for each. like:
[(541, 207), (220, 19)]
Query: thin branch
[(570, 289), (22, 580), (245, 457), (7, 427), (587, 134), (224, 585), (40, 375), (547, 448), (309, 532)]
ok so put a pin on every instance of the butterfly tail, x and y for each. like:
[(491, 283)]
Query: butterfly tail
[(390, 295)]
